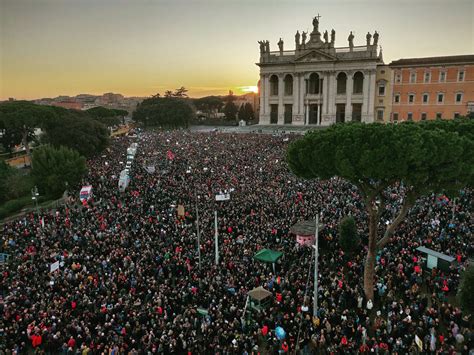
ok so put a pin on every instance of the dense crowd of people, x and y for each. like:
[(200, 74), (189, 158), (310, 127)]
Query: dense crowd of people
[(129, 281)]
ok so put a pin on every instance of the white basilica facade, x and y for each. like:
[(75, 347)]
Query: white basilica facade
[(317, 83)]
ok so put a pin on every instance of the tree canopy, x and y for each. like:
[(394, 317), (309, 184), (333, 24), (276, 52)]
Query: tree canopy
[(422, 157), (76, 130), (107, 116), (20, 118), (164, 111), (54, 167), (466, 290), (209, 104)]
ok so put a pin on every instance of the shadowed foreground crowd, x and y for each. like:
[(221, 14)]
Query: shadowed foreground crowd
[(129, 281)]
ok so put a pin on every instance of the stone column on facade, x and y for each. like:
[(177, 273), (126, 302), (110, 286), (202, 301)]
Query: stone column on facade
[(281, 111), (349, 88), (332, 96), (324, 88), (365, 97), (266, 97), (371, 103), (296, 94), (302, 95), (262, 98)]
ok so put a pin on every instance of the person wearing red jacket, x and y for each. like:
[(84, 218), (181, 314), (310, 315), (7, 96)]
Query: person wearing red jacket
[(36, 340)]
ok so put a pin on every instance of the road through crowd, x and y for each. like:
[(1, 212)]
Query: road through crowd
[(129, 281)]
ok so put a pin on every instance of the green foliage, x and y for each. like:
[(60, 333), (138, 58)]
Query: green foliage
[(209, 104), (53, 167), (466, 290), (429, 157), (246, 112), (108, 117), (168, 112), (14, 206), (14, 183), (250, 115), (433, 156), (76, 130), (230, 110), (5, 172), (348, 237), (19, 118)]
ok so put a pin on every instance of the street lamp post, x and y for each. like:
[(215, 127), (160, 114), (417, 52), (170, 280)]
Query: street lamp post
[(34, 196), (316, 255), (198, 235)]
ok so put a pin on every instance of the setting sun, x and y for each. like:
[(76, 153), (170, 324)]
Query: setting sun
[(247, 89)]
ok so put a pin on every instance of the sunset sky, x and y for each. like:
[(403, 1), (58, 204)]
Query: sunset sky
[(140, 47)]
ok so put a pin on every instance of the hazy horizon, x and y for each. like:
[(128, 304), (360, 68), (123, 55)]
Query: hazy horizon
[(138, 48)]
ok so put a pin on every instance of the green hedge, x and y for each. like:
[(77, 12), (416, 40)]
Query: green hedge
[(14, 206)]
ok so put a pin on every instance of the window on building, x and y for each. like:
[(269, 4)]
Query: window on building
[(398, 78), (461, 75), (396, 99), (459, 97), (411, 98), (426, 98), (381, 89), (358, 84), (274, 85), (442, 76), (314, 84), (288, 113), (395, 116), (341, 83), (440, 98), (288, 85), (413, 77), (457, 115), (273, 114), (427, 77), (410, 116), (439, 115), (423, 116), (380, 114)]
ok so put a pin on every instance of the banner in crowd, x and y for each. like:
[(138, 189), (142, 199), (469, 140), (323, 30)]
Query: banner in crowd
[(222, 197), (54, 266)]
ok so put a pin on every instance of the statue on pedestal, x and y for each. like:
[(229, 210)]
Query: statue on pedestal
[(368, 37), (316, 24), (333, 37), (351, 40), (280, 45), (376, 38), (297, 39), (262, 47), (326, 39), (267, 47), (303, 38)]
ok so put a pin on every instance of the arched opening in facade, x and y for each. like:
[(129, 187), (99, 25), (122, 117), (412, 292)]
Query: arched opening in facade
[(314, 84), (288, 85), (274, 85), (341, 83), (358, 83)]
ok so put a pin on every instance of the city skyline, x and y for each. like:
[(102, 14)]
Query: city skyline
[(53, 48)]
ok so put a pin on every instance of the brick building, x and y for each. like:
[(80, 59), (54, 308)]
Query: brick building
[(430, 88)]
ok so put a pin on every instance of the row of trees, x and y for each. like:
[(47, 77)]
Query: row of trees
[(68, 137), (422, 158), (175, 109), (84, 131)]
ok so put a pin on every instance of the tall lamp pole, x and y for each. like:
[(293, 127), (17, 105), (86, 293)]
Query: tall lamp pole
[(34, 196), (316, 252), (216, 241), (198, 235)]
